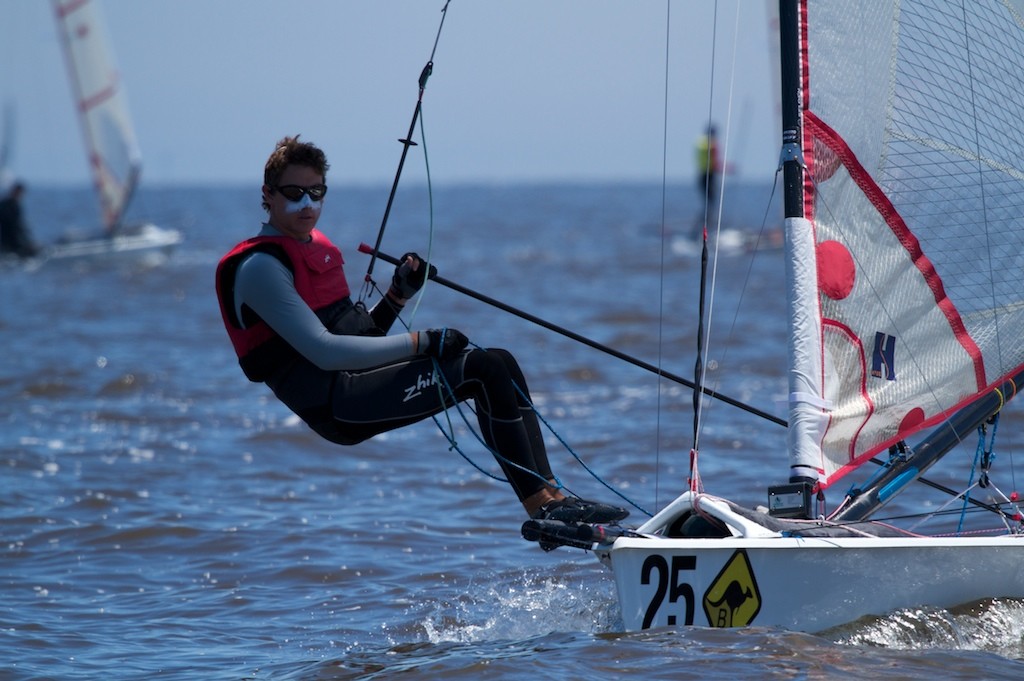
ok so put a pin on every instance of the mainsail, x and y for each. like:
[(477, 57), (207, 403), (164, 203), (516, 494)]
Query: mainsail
[(906, 298), (111, 149)]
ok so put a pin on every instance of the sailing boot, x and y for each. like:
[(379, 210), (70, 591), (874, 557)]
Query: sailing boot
[(576, 510)]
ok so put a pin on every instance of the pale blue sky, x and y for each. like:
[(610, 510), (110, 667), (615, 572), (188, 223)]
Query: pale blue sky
[(531, 90)]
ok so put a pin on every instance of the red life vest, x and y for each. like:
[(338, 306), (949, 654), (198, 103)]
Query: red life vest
[(319, 280)]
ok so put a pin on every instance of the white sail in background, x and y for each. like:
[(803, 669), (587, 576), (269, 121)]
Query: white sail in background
[(914, 148), (111, 149)]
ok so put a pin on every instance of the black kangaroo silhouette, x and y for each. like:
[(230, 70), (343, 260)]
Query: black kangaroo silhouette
[(733, 597)]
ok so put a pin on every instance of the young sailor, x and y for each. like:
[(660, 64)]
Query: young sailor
[(285, 304)]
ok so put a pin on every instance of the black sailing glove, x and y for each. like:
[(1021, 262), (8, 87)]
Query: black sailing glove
[(442, 343), (406, 281)]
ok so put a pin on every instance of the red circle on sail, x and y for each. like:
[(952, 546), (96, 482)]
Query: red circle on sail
[(836, 273), (913, 418)]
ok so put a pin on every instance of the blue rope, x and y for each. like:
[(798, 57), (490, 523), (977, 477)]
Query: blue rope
[(450, 436), (894, 454), (580, 459), (453, 444), (450, 433), (986, 457)]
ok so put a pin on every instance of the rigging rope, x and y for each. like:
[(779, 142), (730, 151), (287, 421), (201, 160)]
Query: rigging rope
[(446, 393), (407, 140), (446, 390), (699, 369), (662, 268), (704, 336)]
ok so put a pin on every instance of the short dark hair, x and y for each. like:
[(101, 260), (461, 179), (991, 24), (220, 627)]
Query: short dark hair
[(290, 151)]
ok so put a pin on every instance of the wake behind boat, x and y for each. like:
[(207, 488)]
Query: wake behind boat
[(903, 168)]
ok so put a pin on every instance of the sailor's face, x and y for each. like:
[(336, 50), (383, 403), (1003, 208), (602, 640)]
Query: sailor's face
[(295, 218)]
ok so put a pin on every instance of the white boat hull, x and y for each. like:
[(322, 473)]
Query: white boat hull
[(763, 578), (147, 238)]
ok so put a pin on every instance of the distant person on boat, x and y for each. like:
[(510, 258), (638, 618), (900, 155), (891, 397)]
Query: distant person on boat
[(15, 237), (285, 303), (708, 170)]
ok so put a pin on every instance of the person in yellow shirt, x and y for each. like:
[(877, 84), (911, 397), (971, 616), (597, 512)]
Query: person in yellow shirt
[(708, 169)]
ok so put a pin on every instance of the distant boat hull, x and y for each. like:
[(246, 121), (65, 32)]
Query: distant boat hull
[(729, 242), (145, 239), (762, 578)]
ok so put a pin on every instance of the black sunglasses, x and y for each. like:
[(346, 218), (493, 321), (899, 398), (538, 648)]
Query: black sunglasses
[(294, 192)]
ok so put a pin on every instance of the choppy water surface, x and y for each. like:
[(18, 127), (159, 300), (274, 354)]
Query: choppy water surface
[(163, 516)]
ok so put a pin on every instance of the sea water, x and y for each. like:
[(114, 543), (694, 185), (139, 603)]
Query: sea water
[(163, 517)]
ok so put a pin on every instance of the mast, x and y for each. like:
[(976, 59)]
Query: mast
[(807, 408), (789, 56)]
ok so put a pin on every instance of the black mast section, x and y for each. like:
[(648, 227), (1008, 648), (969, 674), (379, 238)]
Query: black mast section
[(791, 159)]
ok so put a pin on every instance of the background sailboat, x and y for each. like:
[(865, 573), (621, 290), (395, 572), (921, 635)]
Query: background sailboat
[(903, 172), (113, 154)]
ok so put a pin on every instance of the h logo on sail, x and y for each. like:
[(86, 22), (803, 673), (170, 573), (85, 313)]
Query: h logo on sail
[(884, 356)]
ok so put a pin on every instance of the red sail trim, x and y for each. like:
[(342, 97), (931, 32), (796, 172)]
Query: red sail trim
[(924, 425), (88, 104), (818, 129), (68, 7), (806, 147), (854, 340)]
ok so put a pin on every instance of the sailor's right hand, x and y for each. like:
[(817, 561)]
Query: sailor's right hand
[(410, 274), (442, 343)]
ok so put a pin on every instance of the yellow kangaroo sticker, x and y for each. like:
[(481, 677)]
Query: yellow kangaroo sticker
[(733, 600)]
